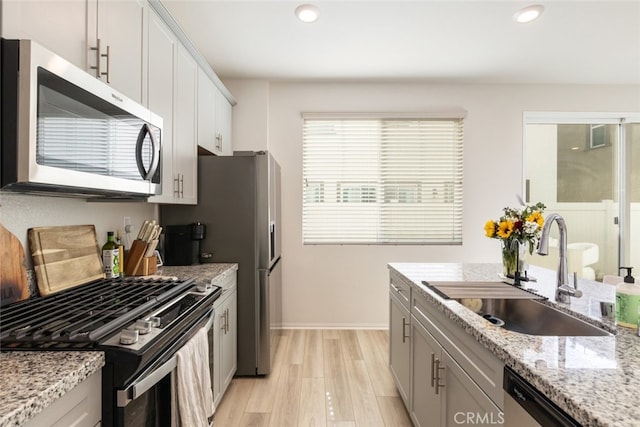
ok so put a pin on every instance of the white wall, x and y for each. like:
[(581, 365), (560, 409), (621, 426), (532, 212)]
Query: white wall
[(346, 286)]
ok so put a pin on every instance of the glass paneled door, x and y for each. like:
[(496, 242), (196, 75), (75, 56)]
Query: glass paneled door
[(582, 167)]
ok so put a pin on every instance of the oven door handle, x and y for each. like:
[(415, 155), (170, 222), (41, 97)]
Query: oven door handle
[(138, 388)]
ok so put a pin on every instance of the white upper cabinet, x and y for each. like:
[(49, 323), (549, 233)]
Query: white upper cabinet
[(207, 135), (60, 26), (115, 38), (185, 149), (214, 117), (223, 123), (72, 29), (163, 48)]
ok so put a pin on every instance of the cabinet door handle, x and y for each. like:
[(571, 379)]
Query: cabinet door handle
[(108, 56), (176, 185), (224, 322), (181, 185), (98, 66), (395, 288), (438, 369), (404, 330), (433, 369)]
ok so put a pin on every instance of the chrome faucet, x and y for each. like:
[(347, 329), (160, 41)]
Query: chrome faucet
[(564, 291)]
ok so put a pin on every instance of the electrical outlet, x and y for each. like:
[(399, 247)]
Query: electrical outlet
[(127, 224)]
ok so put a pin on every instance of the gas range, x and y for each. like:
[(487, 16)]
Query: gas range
[(139, 324)]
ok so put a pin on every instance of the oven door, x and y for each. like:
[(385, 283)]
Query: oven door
[(148, 400)]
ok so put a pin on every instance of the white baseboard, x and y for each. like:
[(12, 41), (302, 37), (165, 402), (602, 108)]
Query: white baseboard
[(373, 326)]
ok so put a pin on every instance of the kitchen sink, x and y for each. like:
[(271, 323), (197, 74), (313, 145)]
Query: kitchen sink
[(530, 317)]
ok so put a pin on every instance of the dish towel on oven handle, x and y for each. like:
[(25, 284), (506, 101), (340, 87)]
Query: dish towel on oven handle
[(193, 383)]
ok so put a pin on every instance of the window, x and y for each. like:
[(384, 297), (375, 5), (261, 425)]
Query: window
[(375, 180), (597, 191)]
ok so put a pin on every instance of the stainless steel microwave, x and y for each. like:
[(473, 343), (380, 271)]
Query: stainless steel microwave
[(65, 132)]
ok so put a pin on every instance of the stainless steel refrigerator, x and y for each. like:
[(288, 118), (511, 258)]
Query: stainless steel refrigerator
[(239, 202)]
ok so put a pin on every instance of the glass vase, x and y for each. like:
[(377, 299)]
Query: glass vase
[(513, 258)]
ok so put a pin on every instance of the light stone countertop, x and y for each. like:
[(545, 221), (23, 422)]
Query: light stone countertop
[(594, 379), (202, 273), (31, 381)]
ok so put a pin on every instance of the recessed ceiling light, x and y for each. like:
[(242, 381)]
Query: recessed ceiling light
[(307, 12), (528, 14)]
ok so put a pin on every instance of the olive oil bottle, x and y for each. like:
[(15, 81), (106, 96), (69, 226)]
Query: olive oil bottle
[(111, 257)]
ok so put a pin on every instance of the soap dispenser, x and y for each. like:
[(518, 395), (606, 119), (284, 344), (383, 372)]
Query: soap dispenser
[(627, 301)]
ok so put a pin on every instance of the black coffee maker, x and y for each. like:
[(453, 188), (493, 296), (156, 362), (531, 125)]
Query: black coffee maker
[(182, 243)]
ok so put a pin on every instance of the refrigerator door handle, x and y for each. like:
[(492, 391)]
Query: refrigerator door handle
[(272, 241)]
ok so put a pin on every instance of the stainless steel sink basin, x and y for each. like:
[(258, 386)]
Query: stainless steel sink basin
[(530, 317)]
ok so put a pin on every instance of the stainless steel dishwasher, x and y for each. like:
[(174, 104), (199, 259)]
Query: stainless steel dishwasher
[(525, 406)]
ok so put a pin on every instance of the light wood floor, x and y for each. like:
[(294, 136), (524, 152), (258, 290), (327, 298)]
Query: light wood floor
[(320, 378)]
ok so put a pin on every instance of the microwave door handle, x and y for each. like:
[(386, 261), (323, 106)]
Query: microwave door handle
[(155, 152)]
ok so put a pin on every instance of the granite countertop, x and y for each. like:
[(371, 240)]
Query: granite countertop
[(31, 381), (202, 273), (593, 379)]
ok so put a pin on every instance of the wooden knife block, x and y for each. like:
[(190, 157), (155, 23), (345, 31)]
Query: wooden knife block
[(149, 265), (134, 258)]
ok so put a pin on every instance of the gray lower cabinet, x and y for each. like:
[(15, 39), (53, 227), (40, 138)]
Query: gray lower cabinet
[(452, 379), (400, 348), (425, 403), (399, 337)]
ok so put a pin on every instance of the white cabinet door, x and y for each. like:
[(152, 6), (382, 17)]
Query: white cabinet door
[(207, 113), (214, 117), (400, 347), (162, 48), (223, 124), (463, 401), (120, 27), (225, 337), (60, 26), (214, 357), (425, 403), (185, 150), (79, 407), (228, 347)]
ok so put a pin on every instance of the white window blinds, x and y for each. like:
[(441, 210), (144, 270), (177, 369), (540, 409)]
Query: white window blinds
[(379, 180)]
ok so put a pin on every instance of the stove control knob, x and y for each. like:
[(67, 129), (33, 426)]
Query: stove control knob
[(128, 337), (142, 326), (155, 321)]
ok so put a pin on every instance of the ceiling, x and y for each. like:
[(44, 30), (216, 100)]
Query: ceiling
[(573, 42)]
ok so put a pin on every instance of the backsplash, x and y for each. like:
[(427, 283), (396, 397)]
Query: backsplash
[(20, 212)]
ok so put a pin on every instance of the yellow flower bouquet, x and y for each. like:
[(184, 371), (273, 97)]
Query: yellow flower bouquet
[(516, 228)]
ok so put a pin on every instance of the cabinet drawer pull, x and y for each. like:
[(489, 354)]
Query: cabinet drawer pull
[(404, 330)]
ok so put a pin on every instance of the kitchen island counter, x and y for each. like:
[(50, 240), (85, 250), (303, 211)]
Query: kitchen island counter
[(32, 381), (593, 379)]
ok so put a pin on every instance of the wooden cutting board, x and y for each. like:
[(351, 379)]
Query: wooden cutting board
[(13, 271), (64, 257)]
